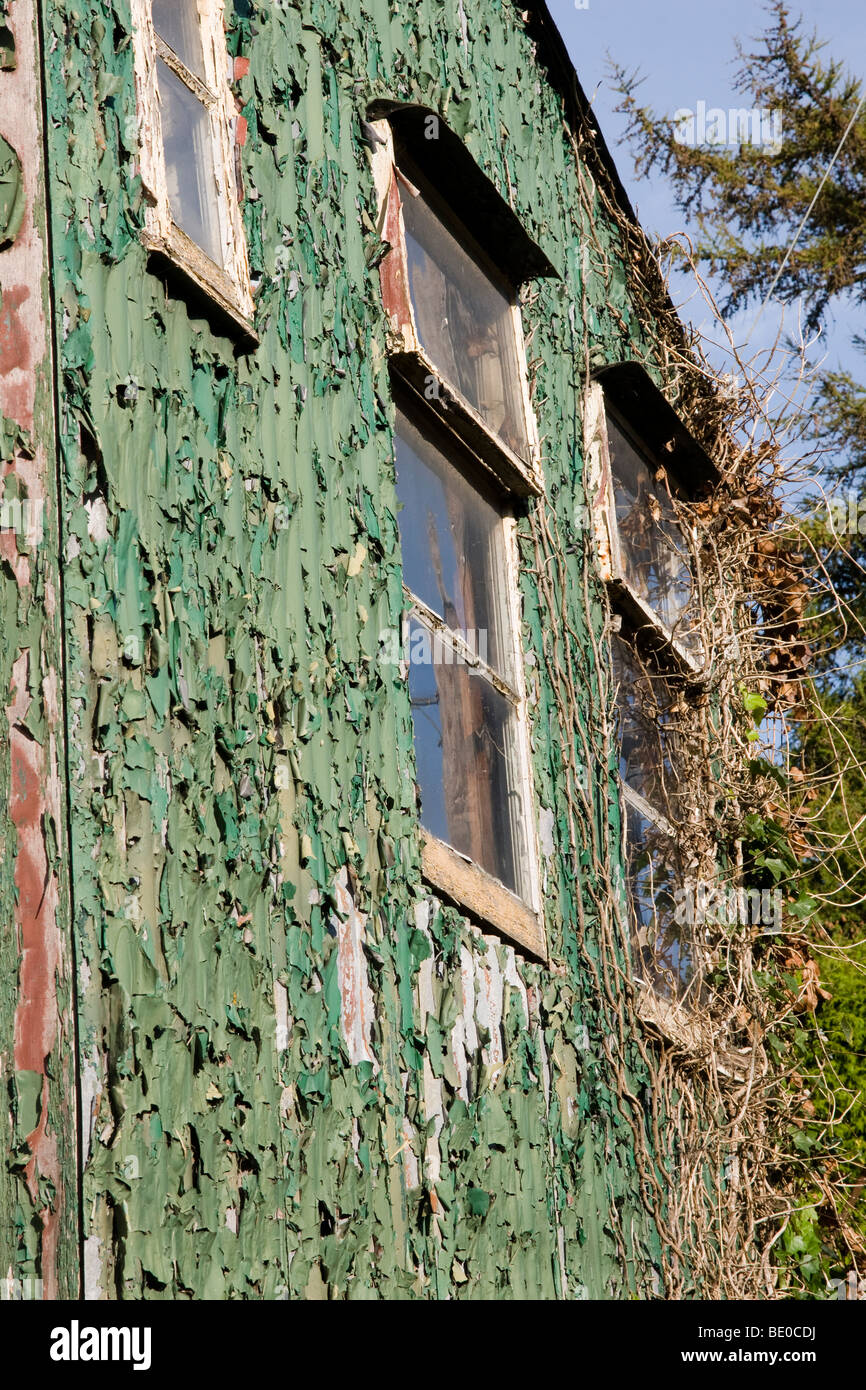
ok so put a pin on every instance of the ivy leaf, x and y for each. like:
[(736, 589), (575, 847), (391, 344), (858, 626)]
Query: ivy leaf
[(778, 868), (755, 705)]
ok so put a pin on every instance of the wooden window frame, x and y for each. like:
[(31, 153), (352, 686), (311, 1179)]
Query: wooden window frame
[(229, 285), (608, 549), (447, 871)]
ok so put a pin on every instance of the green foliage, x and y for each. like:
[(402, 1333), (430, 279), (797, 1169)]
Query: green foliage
[(842, 1025), (802, 1256), (834, 752)]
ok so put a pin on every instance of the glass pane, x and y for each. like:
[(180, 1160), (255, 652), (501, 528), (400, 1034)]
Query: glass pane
[(653, 552), (177, 22), (189, 166), (464, 750), (453, 547), (665, 955), (647, 741), (464, 322)]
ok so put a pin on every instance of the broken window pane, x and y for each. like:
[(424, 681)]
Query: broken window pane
[(665, 955), (653, 553), (189, 164), (453, 548), (465, 322), (465, 751), (178, 23)]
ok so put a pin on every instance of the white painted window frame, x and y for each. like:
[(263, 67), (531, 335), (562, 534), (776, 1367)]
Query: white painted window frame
[(521, 475), (229, 285), (602, 506)]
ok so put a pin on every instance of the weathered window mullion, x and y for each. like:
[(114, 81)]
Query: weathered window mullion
[(198, 88), (463, 650)]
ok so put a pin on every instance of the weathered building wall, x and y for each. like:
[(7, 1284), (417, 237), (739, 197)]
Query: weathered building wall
[(298, 1073)]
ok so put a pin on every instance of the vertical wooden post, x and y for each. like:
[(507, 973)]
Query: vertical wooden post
[(38, 1121)]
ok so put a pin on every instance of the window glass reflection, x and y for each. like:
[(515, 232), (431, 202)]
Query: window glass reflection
[(464, 748), (189, 164), (452, 547), (465, 322), (653, 552), (178, 23)]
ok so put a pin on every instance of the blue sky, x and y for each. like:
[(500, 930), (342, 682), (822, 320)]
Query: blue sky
[(686, 52)]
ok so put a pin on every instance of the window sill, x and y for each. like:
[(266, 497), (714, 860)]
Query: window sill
[(674, 1022), (681, 1026), (642, 619), (520, 477), (487, 900), (179, 253)]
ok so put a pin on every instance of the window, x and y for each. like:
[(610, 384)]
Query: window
[(465, 322), (636, 476), (664, 955), (456, 334), (465, 452), (462, 669), (187, 126), (652, 554)]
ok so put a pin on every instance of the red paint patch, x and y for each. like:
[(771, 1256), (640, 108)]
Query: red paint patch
[(35, 1030), (14, 336)]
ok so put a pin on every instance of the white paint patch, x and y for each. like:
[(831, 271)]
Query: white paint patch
[(281, 1010), (546, 823), (93, 1268), (513, 979), (356, 997), (467, 981), (91, 1088), (464, 1038), (410, 1162), (97, 519), (433, 1108), (488, 1008)]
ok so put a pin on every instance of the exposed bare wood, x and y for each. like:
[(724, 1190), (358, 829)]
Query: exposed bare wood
[(485, 898)]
